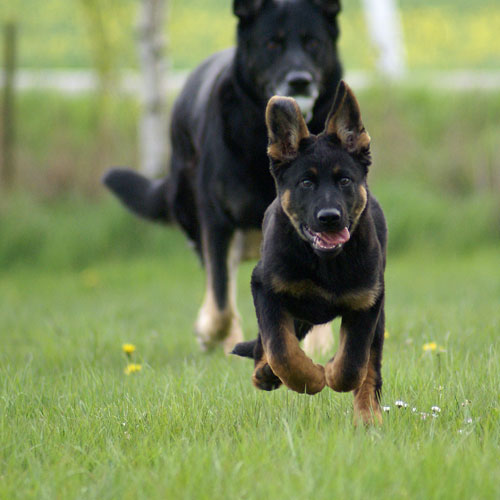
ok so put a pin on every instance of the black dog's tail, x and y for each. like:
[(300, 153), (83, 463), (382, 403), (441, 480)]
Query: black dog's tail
[(244, 349), (144, 197)]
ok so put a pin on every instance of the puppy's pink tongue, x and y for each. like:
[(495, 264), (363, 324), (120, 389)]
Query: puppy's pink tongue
[(336, 238)]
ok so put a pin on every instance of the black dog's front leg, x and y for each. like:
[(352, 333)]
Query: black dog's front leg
[(280, 346), (218, 320)]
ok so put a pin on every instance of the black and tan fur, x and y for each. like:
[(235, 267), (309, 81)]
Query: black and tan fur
[(302, 281)]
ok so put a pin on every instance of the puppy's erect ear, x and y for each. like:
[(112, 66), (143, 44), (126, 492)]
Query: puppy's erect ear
[(344, 121), (285, 128), (329, 7), (246, 8)]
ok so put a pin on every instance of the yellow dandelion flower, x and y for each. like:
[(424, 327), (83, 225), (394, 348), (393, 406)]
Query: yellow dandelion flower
[(133, 368), (128, 348), (386, 334), (430, 346)]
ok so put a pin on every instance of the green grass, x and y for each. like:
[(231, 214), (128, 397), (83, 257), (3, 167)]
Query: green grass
[(190, 425), (79, 276)]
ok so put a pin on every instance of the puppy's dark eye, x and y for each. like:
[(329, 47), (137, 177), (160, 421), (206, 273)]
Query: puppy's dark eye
[(307, 183), (345, 181)]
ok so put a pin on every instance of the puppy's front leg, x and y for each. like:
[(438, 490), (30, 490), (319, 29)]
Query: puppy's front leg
[(281, 346), (356, 365), (347, 370), (263, 376)]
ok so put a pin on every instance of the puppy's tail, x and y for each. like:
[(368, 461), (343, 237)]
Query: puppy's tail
[(244, 349), (144, 197)]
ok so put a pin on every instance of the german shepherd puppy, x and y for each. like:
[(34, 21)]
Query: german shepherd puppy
[(219, 184), (323, 256)]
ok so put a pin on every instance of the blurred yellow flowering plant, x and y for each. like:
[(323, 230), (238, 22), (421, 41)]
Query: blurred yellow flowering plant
[(129, 350)]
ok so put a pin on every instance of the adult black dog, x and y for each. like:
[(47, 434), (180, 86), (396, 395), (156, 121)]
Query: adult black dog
[(219, 183), (323, 256)]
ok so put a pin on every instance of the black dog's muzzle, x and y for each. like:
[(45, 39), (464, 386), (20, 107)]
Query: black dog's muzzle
[(302, 87)]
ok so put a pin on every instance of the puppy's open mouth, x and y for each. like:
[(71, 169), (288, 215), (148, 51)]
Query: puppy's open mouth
[(327, 240)]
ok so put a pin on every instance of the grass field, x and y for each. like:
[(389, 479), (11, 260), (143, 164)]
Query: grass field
[(79, 277), (190, 425)]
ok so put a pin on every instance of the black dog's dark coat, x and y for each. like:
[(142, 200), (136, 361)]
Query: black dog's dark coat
[(219, 180), (323, 256)]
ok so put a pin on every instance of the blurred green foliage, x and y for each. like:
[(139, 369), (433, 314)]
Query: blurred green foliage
[(62, 145), (449, 140), (436, 172), (438, 35), (73, 232)]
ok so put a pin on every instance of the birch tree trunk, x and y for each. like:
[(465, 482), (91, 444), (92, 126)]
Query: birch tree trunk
[(153, 140), (386, 31)]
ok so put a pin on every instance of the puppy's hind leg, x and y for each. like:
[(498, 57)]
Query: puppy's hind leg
[(367, 397)]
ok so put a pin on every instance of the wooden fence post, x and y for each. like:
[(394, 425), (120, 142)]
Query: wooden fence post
[(7, 169)]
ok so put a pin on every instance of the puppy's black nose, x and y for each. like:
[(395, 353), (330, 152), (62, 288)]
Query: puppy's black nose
[(298, 82), (329, 216)]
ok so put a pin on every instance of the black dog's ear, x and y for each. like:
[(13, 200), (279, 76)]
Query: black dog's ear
[(344, 121), (246, 8), (329, 7), (285, 128)]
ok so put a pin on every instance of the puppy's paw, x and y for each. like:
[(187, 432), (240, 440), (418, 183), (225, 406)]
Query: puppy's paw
[(367, 416), (264, 378), (342, 376)]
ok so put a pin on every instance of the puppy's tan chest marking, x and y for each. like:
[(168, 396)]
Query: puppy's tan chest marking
[(300, 288), (360, 299)]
